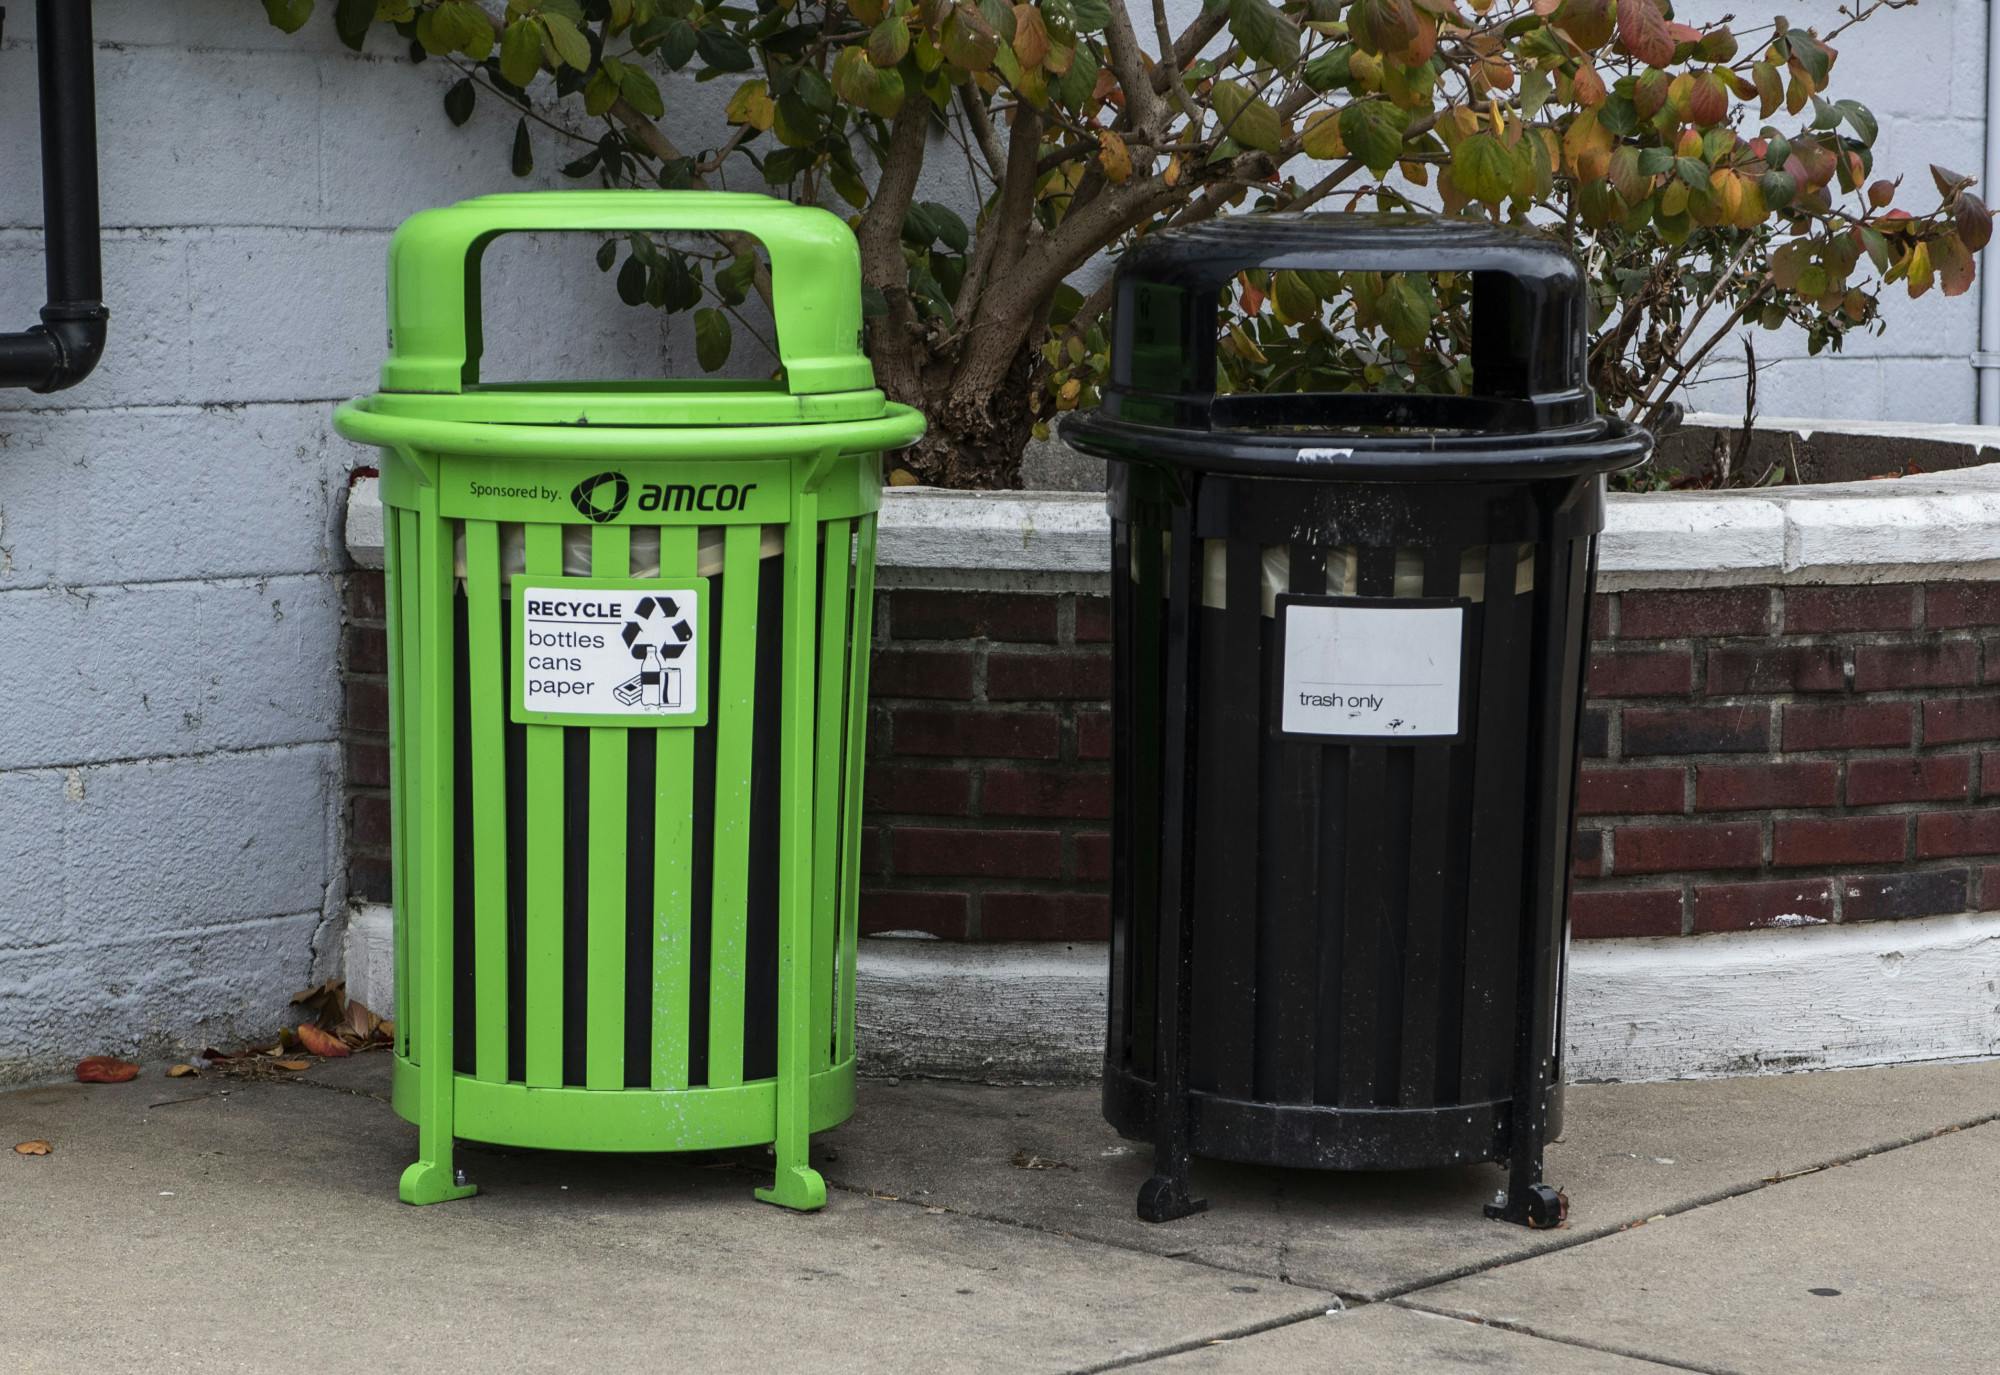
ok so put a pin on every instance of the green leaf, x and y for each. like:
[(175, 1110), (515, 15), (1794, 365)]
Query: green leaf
[(351, 19), (521, 52), (813, 89), (734, 282), (1861, 118), (1264, 33), (1484, 168), (288, 16), (1653, 161), (458, 100), (1246, 118), (570, 44), (1406, 312), (631, 281), (1091, 15), (607, 254), (1373, 131), (523, 160), (889, 40), (640, 92), (711, 338), (951, 230), (678, 45), (1330, 69), (723, 51)]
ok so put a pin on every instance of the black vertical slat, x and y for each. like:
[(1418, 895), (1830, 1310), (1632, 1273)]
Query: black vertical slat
[(515, 737), (641, 765), (1225, 918), (1370, 887), (1148, 723), (1458, 867), (576, 900), (760, 946), (1287, 884), (1494, 899), (1433, 822), (464, 1027), (1118, 1029)]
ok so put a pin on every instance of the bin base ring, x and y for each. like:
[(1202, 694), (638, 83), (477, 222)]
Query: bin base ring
[(1308, 1136), (626, 1119)]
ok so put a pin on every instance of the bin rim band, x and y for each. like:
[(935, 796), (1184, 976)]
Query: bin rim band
[(1604, 446), (896, 427)]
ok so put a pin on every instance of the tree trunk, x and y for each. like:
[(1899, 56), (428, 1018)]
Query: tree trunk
[(977, 434)]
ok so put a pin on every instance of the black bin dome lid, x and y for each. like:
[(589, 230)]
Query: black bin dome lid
[(1530, 411)]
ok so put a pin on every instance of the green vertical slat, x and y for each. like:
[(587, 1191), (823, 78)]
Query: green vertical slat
[(399, 809), (487, 676), (413, 748), (839, 535), (673, 856), (733, 698), (604, 1006), (434, 954), (544, 954), (857, 744), (795, 841)]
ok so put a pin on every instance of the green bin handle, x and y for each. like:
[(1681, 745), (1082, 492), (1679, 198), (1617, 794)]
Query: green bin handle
[(434, 339)]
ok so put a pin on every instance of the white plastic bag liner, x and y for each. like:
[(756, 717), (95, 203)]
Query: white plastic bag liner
[(645, 551), (1342, 572)]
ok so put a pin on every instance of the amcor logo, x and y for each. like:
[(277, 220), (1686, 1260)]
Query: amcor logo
[(589, 496), (686, 496)]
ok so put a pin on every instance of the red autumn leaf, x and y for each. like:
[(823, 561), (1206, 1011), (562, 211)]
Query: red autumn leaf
[(321, 1043), (1643, 30), (105, 1069)]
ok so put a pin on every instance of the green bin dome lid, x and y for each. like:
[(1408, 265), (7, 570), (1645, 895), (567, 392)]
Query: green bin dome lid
[(432, 371)]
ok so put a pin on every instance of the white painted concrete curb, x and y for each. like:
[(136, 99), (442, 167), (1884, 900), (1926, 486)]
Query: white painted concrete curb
[(1681, 1007), (1930, 527)]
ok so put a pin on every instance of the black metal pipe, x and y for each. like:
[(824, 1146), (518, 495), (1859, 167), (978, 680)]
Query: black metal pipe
[(62, 350)]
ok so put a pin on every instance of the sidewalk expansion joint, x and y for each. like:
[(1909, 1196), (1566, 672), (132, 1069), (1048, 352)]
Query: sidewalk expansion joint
[(1524, 1330), (1200, 1343)]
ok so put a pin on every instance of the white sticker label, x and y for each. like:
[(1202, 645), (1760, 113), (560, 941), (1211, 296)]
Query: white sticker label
[(1371, 670), (610, 651)]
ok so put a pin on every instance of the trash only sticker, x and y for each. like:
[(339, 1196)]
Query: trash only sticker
[(609, 651), (1366, 669)]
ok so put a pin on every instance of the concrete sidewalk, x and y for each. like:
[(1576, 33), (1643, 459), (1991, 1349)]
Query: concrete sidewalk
[(1832, 1222)]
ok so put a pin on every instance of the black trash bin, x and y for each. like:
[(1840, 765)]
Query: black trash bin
[(1350, 630)]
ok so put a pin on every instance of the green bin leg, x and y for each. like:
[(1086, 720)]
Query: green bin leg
[(798, 1184), (431, 1178)]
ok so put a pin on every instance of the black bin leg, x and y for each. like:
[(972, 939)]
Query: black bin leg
[(1166, 1195)]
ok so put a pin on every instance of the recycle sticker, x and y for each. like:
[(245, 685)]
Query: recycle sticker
[(608, 651)]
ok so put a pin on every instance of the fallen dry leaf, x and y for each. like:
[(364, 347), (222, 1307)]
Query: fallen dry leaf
[(105, 1069), (1025, 1160), (293, 1065), (181, 1071), (318, 1042), (33, 1148)]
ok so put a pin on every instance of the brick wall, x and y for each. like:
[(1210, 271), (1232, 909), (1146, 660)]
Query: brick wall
[(1758, 755), (1753, 756)]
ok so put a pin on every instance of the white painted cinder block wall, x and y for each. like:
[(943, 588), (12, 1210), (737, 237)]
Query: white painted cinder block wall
[(170, 567)]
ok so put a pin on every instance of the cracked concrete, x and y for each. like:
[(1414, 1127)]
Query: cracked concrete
[(1804, 1223)]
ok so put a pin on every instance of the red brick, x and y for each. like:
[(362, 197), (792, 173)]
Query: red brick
[(1797, 841), (1625, 912), (368, 823), (936, 850), (1093, 735), (1929, 778), (1926, 893), (1755, 787), (367, 649), (367, 764), (1586, 855), (979, 734), (368, 878), (919, 790), (1600, 615), (1641, 673), (1850, 725), (1045, 916), (1093, 620), (1676, 615), (937, 914), (1594, 737), (1776, 668), (1697, 730), (1066, 792), (1943, 834), (1991, 649), (1746, 906), (365, 596), (929, 614), (1989, 774), (1818, 610), (931, 673), (1701, 845), (1961, 718), (367, 706), (1934, 663), (1093, 856), (1631, 792), (1950, 604), (1018, 677), (1989, 890)]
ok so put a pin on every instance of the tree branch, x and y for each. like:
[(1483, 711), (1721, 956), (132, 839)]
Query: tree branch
[(974, 108)]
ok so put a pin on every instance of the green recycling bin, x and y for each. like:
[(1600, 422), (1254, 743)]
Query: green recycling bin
[(628, 625)]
